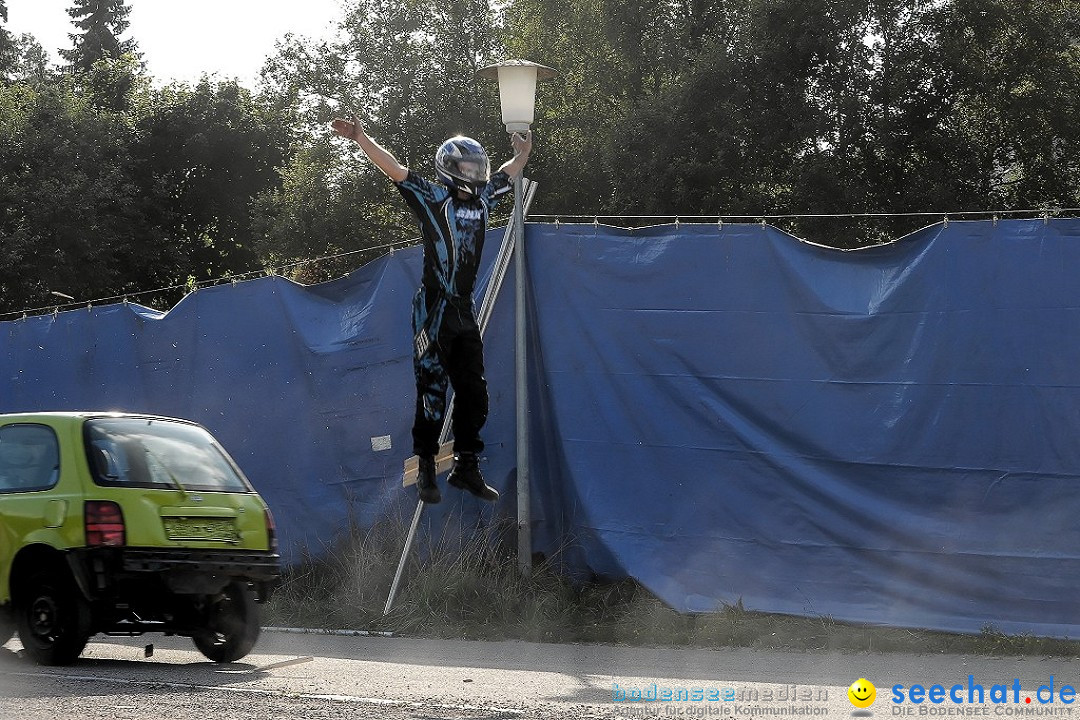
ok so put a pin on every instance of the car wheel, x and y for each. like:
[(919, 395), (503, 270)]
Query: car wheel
[(231, 625), (52, 617)]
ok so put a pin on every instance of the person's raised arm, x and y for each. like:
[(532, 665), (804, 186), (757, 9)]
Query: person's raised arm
[(353, 130), (522, 147)]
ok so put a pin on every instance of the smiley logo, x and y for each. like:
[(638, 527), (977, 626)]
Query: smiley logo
[(861, 693)]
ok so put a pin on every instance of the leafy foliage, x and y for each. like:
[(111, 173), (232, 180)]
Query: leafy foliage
[(407, 70), (72, 218), (109, 185), (804, 106), (330, 205), (98, 202), (7, 42), (28, 62), (206, 152)]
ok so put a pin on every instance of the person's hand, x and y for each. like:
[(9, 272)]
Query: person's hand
[(351, 129), (522, 142)]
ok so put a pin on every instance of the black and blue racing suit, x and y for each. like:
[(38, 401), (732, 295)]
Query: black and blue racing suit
[(446, 338)]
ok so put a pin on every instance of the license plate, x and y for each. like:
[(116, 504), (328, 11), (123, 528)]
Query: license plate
[(201, 529)]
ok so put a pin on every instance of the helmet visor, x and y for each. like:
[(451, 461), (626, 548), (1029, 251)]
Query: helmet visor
[(469, 169)]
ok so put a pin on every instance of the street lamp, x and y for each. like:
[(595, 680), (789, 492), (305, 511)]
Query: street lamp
[(517, 90), (517, 94)]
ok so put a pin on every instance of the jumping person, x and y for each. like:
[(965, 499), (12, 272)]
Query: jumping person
[(447, 347)]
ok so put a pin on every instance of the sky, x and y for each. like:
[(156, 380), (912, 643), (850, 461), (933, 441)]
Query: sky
[(182, 39)]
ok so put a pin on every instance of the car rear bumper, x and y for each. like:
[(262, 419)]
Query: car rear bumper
[(105, 571)]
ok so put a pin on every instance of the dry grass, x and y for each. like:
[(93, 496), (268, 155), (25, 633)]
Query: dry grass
[(474, 590)]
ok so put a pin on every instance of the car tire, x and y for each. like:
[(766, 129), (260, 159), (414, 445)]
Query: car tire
[(52, 617), (7, 626), (231, 625)]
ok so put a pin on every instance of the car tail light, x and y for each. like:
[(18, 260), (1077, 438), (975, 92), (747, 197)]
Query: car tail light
[(104, 523), (271, 531)]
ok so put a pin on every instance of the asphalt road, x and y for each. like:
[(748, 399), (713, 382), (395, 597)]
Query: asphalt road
[(381, 677)]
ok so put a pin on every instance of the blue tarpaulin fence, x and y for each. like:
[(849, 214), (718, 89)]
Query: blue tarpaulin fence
[(886, 436)]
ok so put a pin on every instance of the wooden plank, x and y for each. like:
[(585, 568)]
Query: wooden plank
[(443, 461)]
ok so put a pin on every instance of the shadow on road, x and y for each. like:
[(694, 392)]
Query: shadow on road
[(141, 677)]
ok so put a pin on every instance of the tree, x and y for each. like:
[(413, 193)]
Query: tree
[(611, 57), (1014, 68), (208, 151), (753, 107), (30, 62), (21, 57), (407, 69), (97, 203), (960, 105), (102, 22), (73, 219), (331, 205), (673, 107), (7, 42)]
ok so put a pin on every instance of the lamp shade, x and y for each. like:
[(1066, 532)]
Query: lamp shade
[(517, 90)]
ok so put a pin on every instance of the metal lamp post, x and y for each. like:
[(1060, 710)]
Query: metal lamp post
[(517, 94)]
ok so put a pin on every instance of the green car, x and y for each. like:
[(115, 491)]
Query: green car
[(125, 524)]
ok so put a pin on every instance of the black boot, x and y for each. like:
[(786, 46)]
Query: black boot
[(425, 481), (466, 475)]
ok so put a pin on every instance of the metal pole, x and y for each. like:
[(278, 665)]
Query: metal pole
[(521, 388), (404, 555)]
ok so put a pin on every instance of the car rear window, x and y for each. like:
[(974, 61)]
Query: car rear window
[(156, 453), (29, 458)]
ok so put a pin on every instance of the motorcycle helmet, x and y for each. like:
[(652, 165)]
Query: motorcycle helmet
[(462, 164)]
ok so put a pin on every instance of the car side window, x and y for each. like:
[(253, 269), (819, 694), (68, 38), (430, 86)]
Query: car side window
[(29, 458)]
